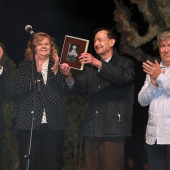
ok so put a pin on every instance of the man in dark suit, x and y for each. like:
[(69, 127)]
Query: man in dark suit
[(4, 87), (108, 82)]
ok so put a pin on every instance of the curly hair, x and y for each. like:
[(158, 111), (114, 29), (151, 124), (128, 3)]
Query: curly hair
[(37, 38)]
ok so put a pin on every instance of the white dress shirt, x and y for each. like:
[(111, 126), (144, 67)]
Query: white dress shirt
[(1, 70), (158, 99)]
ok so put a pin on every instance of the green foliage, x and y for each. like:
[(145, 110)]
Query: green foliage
[(155, 45), (74, 141), (10, 147), (76, 107)]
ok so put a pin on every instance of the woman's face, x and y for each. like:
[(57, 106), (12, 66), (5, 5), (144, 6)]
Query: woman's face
[(43, 48)]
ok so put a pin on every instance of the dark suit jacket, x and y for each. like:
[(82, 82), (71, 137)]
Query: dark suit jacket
[(5, 83), (110, 94), (49, 98)]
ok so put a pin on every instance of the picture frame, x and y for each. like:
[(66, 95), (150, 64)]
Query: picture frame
[(72, 49)]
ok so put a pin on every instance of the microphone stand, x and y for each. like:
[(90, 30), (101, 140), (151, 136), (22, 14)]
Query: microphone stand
[(33, 112)]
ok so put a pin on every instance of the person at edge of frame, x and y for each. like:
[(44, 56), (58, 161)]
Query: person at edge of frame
[(156, 93), (5, 86)]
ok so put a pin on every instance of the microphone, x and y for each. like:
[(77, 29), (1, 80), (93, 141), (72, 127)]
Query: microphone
[(28, 28), (38, 85), (38, 76)]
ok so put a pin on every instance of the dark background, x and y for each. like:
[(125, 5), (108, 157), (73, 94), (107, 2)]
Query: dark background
[(68, 17), (55, 17)]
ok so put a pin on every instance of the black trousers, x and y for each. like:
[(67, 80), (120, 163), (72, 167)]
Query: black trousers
[(46, 149), (158, 157), (104, 153)]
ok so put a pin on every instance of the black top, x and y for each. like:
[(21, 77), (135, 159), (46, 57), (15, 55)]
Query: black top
[(49, 98), (5, 86), (110, 94)]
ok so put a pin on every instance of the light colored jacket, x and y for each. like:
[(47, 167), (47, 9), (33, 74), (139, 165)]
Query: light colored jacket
[(158, 99)]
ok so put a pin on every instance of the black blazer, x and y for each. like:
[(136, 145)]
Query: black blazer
[(5, 86), (49, 98), (110, 94)]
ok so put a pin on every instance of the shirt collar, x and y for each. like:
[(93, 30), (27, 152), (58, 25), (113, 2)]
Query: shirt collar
[(45, 65), (162, 66), (108, 59)]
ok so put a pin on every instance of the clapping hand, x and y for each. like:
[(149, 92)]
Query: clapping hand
[(56, 63)]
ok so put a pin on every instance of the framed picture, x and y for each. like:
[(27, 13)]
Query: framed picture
[(72, 49)]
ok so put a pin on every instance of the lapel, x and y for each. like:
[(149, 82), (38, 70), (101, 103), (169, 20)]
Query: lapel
[(50, 73)]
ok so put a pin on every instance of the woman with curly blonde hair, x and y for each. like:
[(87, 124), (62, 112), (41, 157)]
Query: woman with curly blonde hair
[(38, 37), (50, 116)]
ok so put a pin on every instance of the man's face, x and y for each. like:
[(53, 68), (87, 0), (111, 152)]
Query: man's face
[(102, 43), (164, 50)]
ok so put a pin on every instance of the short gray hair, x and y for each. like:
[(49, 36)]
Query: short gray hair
[(163, 36)]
